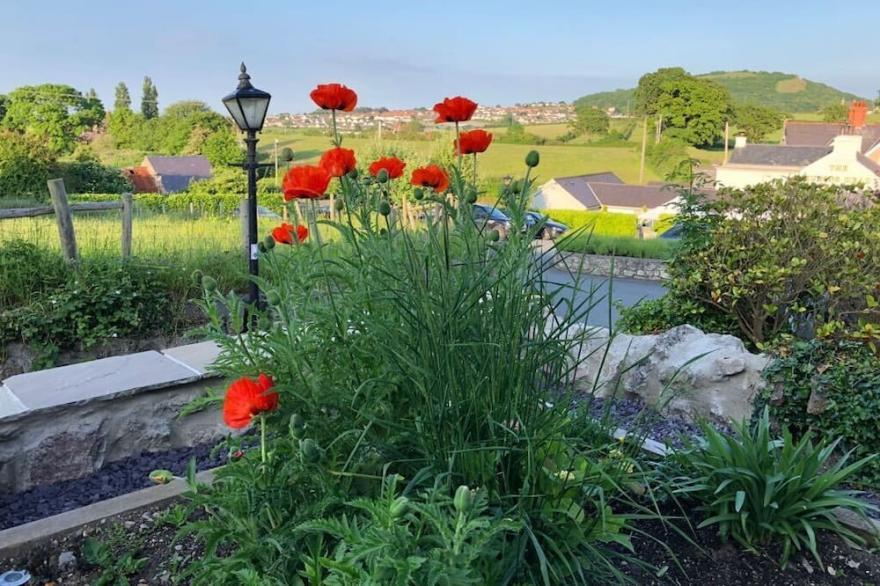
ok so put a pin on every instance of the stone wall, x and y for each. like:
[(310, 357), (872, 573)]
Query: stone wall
[(624, 267), (66, 422), (682, 370)]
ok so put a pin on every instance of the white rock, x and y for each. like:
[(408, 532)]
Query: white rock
[(66, 560), (681, 370)]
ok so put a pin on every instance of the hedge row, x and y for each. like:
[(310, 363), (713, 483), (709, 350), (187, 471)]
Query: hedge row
[(219, 204), (600, 223)]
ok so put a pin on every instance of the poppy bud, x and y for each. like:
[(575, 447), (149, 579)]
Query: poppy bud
[(273, 298), (471, 195), (236, 455), (494, 236), (297, 425), (161, 476), (533, 158), (209, 284), (463, 499), (382, 176), (309, 451), (399, 506), (269, 242), (382, 231), (353, 173), (338, 204), (261, 247), (384, 207), (419, 193)]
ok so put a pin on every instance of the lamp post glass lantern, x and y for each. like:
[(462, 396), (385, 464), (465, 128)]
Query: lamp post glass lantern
[(248, 106)]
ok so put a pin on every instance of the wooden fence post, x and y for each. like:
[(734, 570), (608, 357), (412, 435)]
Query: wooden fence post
[(63, 218), (127, 203)]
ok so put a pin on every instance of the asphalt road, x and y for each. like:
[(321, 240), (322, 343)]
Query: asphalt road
[(598, 292)]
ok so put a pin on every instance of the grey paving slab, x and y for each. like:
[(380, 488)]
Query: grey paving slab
[(98, 378), (196, 356), (9, 403)]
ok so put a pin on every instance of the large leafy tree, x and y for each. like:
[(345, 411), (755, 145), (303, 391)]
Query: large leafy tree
[(3, 103), (693, 109), (149, 99), (123, 98), (57, 113), (590, 119), (650, 88), (756, 121)]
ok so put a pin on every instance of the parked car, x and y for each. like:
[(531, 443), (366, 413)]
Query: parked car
[(673, 233), (551, 230), (491, 218)]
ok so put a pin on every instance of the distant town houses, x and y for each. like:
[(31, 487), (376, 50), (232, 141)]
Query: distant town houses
[(168, 174), (394, 120), (824, 152), (606, 191)]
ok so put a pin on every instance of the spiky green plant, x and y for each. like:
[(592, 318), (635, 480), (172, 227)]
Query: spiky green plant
[(760, 490)]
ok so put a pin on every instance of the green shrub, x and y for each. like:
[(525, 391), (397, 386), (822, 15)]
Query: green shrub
[(617, 246), (597, 223), (761, 490), (96, 302), (831, 389), (26, 163), (652, 316), (779, 258), (90, 176)]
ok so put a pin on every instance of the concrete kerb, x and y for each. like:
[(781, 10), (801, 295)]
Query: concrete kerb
[(19, 540)]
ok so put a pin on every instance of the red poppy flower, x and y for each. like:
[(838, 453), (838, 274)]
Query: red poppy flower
[(392, 165), (247, 397), (309, 181), (338, 161), (334, 96), (457, 109), (285, 233), (431, 176), (474, 141)]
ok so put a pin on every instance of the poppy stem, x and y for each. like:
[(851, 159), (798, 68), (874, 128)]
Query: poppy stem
[(336, 141), (263, 438), (475, 171)]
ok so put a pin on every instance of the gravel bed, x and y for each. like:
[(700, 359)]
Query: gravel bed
[(114, 479)]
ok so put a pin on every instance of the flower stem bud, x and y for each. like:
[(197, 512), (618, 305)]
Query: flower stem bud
[(463, 499), (533, 158)]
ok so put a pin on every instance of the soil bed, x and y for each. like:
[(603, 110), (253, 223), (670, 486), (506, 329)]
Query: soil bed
[(151, 536)]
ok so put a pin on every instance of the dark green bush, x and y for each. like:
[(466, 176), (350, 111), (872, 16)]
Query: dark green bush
[(26, 163), (843, 379), (761, 490), (656, 315), (96, 302), (90, 176)]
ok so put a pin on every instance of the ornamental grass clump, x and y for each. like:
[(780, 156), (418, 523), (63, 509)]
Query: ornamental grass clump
[(432, 355), (761, 491)]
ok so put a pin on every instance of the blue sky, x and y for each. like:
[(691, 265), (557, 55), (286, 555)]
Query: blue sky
[(410, 53)]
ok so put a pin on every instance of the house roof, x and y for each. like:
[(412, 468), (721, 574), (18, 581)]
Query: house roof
[(805, 133), (875, 167), (772, 155), (603, 177), (632, 196), (190, 166)]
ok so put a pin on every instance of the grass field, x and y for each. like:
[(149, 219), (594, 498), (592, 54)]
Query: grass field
[(500, 160)]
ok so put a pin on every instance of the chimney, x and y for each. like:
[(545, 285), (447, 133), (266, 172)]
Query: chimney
[(858, 114), (739, 142), (847, 145)]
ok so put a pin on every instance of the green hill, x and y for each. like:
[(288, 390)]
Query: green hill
[(783, 91)]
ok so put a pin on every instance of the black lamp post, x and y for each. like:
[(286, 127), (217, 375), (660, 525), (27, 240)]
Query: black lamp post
[(248, 106)]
